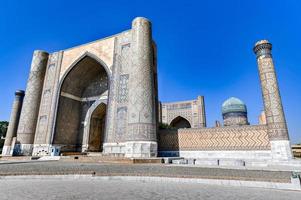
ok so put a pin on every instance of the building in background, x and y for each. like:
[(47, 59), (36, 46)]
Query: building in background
[(296, 148), (234, 112), (265, 142), (262, 118), (184, 114)]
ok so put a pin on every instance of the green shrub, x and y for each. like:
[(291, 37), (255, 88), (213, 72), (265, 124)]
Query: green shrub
[(165, 126), (3, 129)]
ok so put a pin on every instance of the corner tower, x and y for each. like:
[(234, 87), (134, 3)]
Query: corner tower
[(276, 123), (31, 104), (142, 140), (13, 123)]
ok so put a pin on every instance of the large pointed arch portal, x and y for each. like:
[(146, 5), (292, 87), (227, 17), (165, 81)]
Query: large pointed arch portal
[(180, 122), (85, 83)]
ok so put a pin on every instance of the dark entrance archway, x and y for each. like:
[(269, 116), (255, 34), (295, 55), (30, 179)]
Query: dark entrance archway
[(84, 84), (97, 128), (180, 122)]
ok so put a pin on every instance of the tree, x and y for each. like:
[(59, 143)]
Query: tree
[(165, 126), (3, 129)]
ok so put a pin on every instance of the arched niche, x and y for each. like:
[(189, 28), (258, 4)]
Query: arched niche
[(180, 122), (86, 81)]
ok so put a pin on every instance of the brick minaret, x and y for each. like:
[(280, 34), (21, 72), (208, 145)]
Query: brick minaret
[(13, 123), (31, 104), (142, 106), (276, 123)]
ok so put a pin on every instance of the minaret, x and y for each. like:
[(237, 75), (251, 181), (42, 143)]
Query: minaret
[(31, 104), (276, 123), (13, 123), (142, 140)]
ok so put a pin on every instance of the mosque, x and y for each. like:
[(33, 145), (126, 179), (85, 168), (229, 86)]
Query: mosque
[(191, 114), (103, 97), (234, 112)]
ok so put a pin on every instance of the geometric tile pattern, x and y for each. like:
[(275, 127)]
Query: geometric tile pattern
[(141, 114), (121, 126), (47, 98), (123, 88), (14, 119), (193, 111), (118, 92), (124, 58), (277, 128), (217, 138), (30, 109)]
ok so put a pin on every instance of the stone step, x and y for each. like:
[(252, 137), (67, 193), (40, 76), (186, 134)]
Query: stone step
[(100, 154), (106, 169), (72, 153), (110, 159), (86, 158), (19, 158), (50, 158), (147, 160)]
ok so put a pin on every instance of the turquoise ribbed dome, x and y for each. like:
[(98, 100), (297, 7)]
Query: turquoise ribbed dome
[(233, 105)]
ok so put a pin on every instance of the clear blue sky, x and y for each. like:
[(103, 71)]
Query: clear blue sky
[(204, 47)]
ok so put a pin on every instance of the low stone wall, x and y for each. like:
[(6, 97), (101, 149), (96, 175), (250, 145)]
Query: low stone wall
[(214, 139)]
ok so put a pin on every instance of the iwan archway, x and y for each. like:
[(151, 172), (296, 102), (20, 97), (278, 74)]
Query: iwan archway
[(180, 122), (81, 111), (121, 70), (94, 129)]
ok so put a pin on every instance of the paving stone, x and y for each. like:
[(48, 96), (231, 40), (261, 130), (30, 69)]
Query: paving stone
[(60, 167), (120, 189)]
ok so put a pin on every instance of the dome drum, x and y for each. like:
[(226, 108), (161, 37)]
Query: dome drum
[(234, 112)]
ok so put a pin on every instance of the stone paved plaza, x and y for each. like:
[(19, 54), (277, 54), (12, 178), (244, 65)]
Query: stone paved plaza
[(121, 189), (107, 169)]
